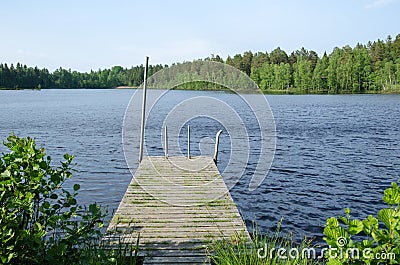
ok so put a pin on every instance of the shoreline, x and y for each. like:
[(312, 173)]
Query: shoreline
[(265, 92)]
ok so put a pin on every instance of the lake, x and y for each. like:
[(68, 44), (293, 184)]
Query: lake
[(332, 151)]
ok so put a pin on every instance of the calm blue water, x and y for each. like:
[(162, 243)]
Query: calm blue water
[(332, 151)]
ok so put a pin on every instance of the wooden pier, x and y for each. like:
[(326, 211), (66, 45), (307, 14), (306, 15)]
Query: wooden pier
[(178, 205)]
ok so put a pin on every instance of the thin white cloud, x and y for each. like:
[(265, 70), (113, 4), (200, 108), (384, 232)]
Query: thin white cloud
[(379, 3)]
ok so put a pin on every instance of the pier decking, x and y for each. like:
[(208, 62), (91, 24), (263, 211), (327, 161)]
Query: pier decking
[(178, 205)]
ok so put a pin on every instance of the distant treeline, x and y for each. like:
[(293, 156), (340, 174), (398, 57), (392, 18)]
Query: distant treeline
[(370, 68), (23, 77)]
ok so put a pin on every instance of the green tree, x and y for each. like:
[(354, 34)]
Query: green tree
[(320, 74), (259, 58), (334, 61), (255, 75), (281, 76), (267, 76), (363, 68), (278, 56), (389, 75), (245, 65), (303, 74)]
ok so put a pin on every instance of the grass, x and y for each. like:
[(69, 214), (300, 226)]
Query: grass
[(111, 250), (261, 250)]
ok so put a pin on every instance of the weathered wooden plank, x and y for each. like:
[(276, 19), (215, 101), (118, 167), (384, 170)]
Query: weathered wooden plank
[(178, 206), (146, 212), (181, 222), (176, 260), (155, 230)]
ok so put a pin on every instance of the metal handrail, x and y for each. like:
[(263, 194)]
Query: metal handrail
[(216, 146), (188, 154), (143, 110), (166, 141), (188, 142)]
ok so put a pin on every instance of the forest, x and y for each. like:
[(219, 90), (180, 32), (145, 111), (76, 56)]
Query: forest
[(23, 77), (366, 68)]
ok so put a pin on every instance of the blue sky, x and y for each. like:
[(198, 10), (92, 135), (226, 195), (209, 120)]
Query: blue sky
[(84, 35)]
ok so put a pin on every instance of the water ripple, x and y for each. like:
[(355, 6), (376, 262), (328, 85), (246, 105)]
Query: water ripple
[(332, 151)]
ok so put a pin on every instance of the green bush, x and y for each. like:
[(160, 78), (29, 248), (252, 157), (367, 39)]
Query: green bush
[(41, 222), (378, 238)]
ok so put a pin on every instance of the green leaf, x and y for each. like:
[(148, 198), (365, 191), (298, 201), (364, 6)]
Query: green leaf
[(54, 196), (370, 224), (10, 256), (72, 201), (347, 211), (392, 195), (5, 174), (333, 262), (332, 222), (68, 157), (56, 179), (385, 215), (344, 220), (355, 227), (38, 226), (77, 187), (46, 205), (93, 208)]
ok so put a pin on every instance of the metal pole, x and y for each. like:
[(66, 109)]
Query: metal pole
[(188, 142), (166, 141), (143, 110), (216, 146)]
